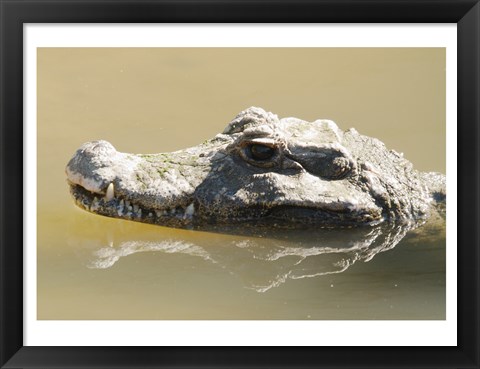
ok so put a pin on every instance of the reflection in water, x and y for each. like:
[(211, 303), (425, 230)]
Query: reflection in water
[(264, 261)]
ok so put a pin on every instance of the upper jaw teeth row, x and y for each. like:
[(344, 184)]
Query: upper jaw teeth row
[(125, 208)]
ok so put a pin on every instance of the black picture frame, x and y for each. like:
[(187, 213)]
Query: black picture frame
[(15, 13)]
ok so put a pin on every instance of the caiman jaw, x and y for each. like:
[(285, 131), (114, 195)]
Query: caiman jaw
[(116, 206), (112, 204)]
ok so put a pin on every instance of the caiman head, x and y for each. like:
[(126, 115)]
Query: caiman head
[(261, 170)]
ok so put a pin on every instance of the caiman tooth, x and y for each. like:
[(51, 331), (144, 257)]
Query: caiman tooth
[(85, 204), (95, 204), (110, 192), (190, 209)]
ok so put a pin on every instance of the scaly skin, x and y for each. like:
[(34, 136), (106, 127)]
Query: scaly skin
[(263, 170)]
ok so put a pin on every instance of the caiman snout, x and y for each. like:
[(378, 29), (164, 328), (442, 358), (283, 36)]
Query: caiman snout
[(139, 187), (92, 166)]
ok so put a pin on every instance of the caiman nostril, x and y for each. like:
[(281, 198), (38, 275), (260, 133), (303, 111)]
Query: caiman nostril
[(99, 148)]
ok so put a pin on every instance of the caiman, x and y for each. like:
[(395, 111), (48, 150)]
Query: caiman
[(259, 170)]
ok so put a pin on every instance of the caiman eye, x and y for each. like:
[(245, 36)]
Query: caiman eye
[(260, 152)]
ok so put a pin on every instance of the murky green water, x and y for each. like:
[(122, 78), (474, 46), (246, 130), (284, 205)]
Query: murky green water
[(157, 100)]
